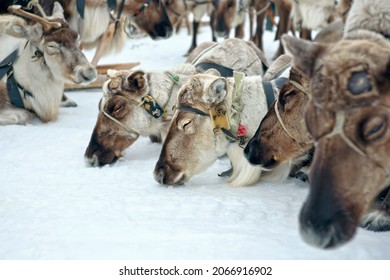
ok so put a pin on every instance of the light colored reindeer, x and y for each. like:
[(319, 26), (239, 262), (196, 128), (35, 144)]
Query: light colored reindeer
[(46, 56), (123, 115)]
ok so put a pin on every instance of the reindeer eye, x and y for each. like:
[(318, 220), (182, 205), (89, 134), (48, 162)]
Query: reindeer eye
[(359, 83), (52, 48), (374, 128), (185, 125), (285, 97)]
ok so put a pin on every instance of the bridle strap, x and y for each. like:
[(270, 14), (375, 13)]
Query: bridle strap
[(131, 132), (280, 120), (193, 110), (338, 130), (279, 117)]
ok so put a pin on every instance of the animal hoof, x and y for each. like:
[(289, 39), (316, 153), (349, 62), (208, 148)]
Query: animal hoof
[(376, 221), (300, 175), (67, 102), (155, 139)]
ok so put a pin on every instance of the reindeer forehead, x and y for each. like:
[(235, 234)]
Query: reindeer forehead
[(351, 75), (64, 36), (355, 53), (196, 87)]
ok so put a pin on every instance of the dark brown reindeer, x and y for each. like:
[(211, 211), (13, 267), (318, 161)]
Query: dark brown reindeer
[(282, 136), (348, 117), (47, 55)]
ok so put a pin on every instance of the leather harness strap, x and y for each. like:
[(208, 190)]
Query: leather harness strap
[(224, 71), (269, 88), (6, 67)]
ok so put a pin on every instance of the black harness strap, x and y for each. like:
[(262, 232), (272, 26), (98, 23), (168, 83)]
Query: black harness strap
[(13, 92), (280, 82), (112, 4), (269, 93), (6, 67), (193, 110), (120, 11), (269, 88), (224, 71), (6, 64), (80, 4)]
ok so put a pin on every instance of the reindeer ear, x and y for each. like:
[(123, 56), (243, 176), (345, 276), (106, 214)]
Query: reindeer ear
[(213, 71), (32, 33), (137, 81), (58, 11), (117, 108), (217, 91), (304, 53)]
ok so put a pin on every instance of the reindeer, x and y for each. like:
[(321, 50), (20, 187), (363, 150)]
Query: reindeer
[(124, 115), (283, 8), (46, 56), (214, 116), (229, 14), (282, 136), (98, 28), (198, 8), (347, 117)]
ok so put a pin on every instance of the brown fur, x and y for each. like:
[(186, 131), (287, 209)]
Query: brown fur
[(340, 109), (228, 14), (271, 145)]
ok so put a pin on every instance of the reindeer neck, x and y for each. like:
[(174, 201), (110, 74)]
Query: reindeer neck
[(33, 75), (253, 100), (165, 85)]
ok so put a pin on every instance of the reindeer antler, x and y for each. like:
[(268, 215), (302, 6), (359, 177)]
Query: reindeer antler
[(47, 25)]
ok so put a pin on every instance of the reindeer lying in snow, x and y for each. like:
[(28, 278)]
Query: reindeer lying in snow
[(214, 116), (46, 56), (100, 29), (347, 116), (125, 115)]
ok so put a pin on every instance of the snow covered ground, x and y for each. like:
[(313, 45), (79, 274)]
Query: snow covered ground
[(54, 207)]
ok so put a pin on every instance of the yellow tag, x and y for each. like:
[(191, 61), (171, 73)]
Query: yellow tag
[(219, 119)]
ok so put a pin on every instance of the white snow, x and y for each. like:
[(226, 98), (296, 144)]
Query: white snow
[(54, 207)]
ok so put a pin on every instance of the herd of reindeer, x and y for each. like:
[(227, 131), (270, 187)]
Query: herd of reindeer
[(319, 112)]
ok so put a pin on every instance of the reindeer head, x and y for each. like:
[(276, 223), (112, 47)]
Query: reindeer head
[(121, 118), (224, 16), (58, 45), (153, 19), (348, 117), (191, 144), (282, 135)]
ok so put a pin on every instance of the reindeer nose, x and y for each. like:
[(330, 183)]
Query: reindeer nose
[(250, 151), (159, 172), (88, 74)]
